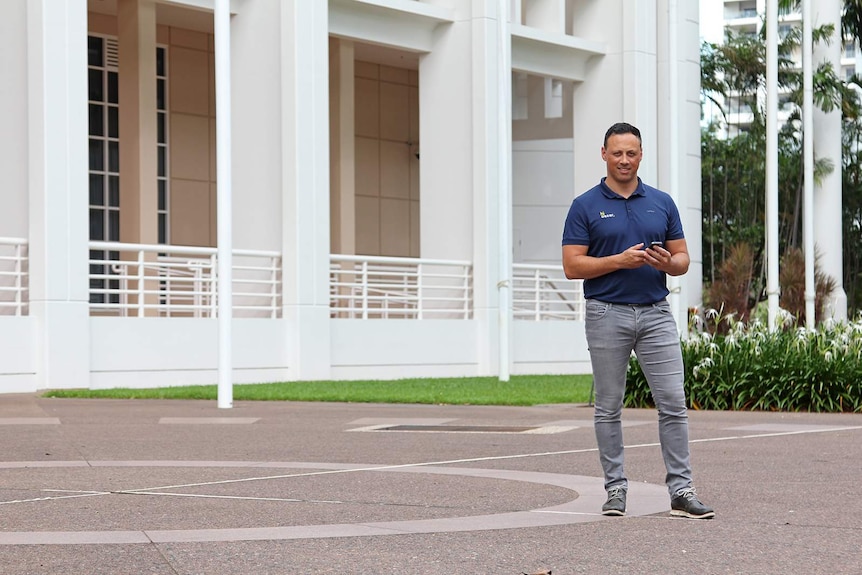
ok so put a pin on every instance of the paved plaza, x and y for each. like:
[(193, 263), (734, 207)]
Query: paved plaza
[(151, 487)]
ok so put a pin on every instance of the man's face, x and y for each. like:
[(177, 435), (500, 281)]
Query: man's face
[(623, 156)]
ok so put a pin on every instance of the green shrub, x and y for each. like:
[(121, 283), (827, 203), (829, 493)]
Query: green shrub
[(751, 368)]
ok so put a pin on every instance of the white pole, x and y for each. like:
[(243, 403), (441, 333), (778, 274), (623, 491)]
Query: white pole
[(224, 202), (677, 303), (504, 195), (772, 286), (808, 161)]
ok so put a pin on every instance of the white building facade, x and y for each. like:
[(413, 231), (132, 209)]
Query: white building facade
[(401, 170)]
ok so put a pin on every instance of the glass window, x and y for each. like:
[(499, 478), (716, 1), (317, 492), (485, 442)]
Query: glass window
[(97, 189), (114, 191), (97, 224), (96, 120), (113, 122), (94, 51), (97, 155), (94, 82), (113, 88)]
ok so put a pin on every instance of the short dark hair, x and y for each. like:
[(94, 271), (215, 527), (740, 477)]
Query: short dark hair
[(622, 128)]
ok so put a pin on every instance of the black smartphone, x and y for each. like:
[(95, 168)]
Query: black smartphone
[(656, 244)]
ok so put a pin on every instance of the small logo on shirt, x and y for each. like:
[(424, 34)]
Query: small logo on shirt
[(604, 215)]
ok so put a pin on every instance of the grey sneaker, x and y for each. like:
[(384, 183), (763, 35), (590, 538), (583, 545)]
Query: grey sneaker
[(685, 503), (616, 503)]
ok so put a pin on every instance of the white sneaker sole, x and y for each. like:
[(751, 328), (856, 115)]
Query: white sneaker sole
[(681, 513)]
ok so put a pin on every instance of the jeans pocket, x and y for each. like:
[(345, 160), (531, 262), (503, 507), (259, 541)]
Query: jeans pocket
[(596, 310)]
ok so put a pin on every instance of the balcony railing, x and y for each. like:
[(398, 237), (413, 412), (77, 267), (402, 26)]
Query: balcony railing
[(366, 287), (14, 277), (179, 281), (542, 292)]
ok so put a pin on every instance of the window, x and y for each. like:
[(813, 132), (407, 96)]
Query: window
[(104, 157), (162, 119)]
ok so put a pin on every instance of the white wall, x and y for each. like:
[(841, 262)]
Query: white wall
[(373, 349), (13, 119), (17, 354), (549, 347), (542, 191), (256, 98), (156, 352)]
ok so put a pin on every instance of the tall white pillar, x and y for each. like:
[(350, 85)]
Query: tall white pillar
[(679, 138), (459, 127), (305, 164), (827, 144), (58, 191)]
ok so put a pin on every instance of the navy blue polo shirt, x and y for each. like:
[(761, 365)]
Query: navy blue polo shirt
[(609, 224)]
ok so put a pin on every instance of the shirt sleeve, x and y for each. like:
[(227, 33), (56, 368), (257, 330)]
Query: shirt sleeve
[(674, 222), (576, 231)]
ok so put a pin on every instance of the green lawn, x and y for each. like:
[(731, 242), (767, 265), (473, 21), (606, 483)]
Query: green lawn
[(519, 390)]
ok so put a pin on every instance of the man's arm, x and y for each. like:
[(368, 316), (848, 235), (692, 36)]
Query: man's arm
[(672, 259), (579, 266)]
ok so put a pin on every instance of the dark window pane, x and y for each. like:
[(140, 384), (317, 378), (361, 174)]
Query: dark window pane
[(97, 190), (96, 297), (94, 51), (163, 195), (94, 81), (163, 228), (113, 122), (113, 226), (97, 155), (160, 94), (97, 224), (97, 120), (161, 119), (160, 61), (113, 88), (162, 161), (114, 157), (114, 191)]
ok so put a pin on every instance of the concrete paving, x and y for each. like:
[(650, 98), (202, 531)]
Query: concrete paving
[(182, 487)]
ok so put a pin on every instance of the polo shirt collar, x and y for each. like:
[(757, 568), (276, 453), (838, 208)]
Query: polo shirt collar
[(610, 194)]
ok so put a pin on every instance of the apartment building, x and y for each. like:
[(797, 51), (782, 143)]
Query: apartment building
[(400, 170)]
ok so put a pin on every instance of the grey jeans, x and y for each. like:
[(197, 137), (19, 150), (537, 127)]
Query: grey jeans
[(613, 332)]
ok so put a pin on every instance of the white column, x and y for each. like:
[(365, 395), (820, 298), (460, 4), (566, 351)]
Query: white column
[(58, 191), (305, 161), (224, 202), (772, 255), (459, 127), (827, 144), (808, 164), (679, 139)]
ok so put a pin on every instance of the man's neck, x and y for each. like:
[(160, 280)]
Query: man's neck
[(623, 189)]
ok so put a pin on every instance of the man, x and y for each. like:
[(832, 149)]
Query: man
[(623, 238)]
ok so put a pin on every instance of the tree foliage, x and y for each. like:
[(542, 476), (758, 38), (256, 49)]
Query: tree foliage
[(733, 168)]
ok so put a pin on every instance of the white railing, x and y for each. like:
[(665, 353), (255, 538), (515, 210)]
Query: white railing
[(369, 287), (14, 277), (542, 292), (179, 281)]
